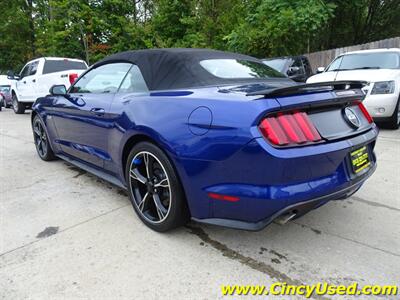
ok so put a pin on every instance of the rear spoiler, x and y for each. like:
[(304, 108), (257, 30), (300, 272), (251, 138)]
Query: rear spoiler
[(310, 87)]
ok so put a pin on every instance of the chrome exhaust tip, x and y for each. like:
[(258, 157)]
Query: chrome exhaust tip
[(283, 219)]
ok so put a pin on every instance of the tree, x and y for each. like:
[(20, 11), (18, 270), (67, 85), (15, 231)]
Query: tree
[(92, 29), (276, 27), (17, 36), (170, 21), (360, 21)]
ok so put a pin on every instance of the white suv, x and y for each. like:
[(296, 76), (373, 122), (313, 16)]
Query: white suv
[(39, 75), (381, 69)]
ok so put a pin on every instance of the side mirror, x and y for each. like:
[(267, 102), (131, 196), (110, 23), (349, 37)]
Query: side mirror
[(320, 70), (58, 90), (293, 71), (11, 75)]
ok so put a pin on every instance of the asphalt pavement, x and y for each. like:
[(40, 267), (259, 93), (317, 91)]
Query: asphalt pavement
[(65, 234)]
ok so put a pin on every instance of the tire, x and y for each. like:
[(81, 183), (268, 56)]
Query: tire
[(159, 202), (17, 106), (394, 120), (41, 139)]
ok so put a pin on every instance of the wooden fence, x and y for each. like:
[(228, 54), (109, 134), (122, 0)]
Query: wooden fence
[(323, 58)]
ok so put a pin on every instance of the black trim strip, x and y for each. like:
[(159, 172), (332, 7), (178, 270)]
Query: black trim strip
[(99, 173)]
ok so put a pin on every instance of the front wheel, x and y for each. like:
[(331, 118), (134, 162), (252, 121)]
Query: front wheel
[(395, 118), (41, 140), (18, 107), (154, 188)]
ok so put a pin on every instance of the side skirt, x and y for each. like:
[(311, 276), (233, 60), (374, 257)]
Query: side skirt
[(101, 174)]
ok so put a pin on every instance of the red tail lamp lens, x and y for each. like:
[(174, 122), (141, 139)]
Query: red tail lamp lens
[(73, 77), (289, 128), (365, 112)]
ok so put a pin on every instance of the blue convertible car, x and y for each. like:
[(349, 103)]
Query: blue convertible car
[(214, 136)]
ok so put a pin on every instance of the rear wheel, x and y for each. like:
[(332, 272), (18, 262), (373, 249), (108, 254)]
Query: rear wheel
[(154, 188), (42, 140), (18, 107), (395, 118)]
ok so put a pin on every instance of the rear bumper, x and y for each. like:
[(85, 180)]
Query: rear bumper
[(269, 181), (299, 208)]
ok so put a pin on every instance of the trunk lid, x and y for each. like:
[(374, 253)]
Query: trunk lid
[(335, 113)]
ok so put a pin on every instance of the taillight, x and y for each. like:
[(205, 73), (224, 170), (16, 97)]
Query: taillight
[(365, 112), (72, 77), (289, 129)]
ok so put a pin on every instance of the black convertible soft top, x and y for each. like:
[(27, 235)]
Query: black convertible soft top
[(178, 68)]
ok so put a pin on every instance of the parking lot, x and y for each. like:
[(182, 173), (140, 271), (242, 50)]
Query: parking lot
[(67, 234)]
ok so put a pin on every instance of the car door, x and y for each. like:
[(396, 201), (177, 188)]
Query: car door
[(82, 117), (133, 88), (21, 84), (28, 82)]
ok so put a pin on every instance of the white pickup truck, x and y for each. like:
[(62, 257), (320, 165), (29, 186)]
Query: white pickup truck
[(39, 75)]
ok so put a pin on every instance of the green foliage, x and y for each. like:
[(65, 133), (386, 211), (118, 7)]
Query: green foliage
[(360, 21), (92, 29), (280, 27), (15, 35)]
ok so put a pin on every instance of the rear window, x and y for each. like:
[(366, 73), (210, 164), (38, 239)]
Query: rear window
[(237, 68), (52, 66)]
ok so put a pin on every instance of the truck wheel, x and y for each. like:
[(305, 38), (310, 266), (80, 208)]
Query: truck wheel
[(395, 118), (18, 107)]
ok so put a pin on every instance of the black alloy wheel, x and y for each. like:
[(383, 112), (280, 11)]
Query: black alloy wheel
[(41, 140), (155, 191)]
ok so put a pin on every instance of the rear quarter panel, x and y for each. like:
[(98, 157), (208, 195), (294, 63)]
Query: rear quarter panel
[(165, 119)]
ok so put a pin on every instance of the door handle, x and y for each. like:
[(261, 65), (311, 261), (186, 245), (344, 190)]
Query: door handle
[(98, 111)]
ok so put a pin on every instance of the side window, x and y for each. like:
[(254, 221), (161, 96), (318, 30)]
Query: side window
[(133, 82), (33, 68), (297, 63), (103, 79), (25, 71)]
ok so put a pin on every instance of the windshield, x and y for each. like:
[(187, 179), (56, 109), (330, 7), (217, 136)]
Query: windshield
[(278, 64), (237, 68), (383, 60), (5, 88)]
